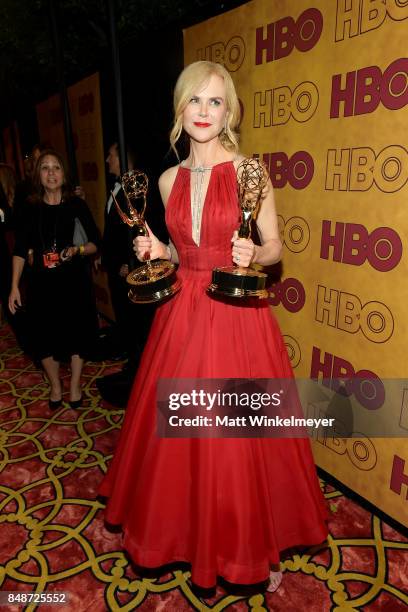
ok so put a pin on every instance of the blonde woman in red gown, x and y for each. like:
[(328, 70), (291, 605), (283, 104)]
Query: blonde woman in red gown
[(225, 506)]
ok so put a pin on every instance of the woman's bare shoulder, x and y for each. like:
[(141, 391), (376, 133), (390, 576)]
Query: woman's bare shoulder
[(238, 159), (166, 182), (168, 176)]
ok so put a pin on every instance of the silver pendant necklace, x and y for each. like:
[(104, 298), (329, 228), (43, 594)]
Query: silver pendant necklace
[(197, 202)]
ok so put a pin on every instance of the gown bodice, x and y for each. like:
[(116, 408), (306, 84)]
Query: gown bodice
[(220, 217)]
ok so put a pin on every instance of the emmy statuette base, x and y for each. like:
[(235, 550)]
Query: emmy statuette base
[(238, 283), (153, 282)]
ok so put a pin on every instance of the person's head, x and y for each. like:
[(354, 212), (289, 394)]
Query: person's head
[(8, 182), (28, 166), (50, 174), (194, 79), (31, 159), (37, 150), (113, 160)]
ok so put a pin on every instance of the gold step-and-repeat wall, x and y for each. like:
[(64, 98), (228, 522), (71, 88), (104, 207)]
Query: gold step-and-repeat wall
[(324, 91)]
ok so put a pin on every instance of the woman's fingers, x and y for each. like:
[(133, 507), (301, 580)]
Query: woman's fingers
[(149, 247), (14, 301), (142, 242), (142, 245), (243, 251)]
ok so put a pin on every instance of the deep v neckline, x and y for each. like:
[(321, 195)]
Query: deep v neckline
[(198, 201), (204, 200)]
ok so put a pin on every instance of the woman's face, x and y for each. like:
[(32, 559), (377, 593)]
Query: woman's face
[(205, 113), (51, 173)]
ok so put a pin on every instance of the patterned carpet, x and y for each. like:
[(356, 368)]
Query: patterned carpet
[(53, 538)]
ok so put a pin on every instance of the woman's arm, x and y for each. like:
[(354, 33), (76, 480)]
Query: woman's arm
[(151, 244), (267, 223), (23, 246), (90, 247), (15, 297), (173, 252), (245, 252)]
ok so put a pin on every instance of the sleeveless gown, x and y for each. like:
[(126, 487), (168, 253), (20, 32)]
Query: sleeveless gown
[(226, 506)]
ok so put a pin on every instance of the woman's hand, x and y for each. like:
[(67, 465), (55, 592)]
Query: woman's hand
[(97, 264), (149, 247), (79, 191), (14, 300), (68, 253), (243, 250)]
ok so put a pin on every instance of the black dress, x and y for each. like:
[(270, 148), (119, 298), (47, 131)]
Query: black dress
[(5, 268), (60, 300)]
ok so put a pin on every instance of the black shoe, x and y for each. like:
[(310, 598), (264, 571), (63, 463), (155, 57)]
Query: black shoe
[(76, 403), (54, 404)]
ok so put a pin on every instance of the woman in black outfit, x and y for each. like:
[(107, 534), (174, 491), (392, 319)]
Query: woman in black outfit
[(7, 191), (59, 297)]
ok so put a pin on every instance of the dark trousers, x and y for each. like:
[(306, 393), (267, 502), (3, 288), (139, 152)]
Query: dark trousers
[(133, 320)]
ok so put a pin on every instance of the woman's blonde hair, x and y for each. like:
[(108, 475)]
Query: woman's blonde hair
[(8, 182), (193, 78)]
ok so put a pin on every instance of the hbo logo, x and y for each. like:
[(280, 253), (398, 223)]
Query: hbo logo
[(230, 54), (290, 293), (360, 168), (359, 449), (296, 170), (353, 244), (285, 34), (294, 233), (356, 17), (86, 104), (346, 312), (277, 106), (365, 385), (293, 349), (364, 89)]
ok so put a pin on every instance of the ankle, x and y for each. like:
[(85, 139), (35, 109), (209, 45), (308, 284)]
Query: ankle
[(275, 578), (75, 393), (56, 391)]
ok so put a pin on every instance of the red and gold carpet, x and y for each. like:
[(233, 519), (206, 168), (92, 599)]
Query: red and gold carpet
[(53, 538)]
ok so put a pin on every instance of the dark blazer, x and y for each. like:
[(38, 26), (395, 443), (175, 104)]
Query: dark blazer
[(117, 238), (117, 242)]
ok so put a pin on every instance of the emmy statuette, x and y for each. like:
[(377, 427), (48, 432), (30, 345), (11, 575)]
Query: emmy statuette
[(235, 281), (154, 280)]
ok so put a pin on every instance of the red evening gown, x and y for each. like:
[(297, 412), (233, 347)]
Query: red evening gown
[(226, 506)]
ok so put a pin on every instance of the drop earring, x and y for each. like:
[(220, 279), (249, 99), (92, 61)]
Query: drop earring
[(225, 124)]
